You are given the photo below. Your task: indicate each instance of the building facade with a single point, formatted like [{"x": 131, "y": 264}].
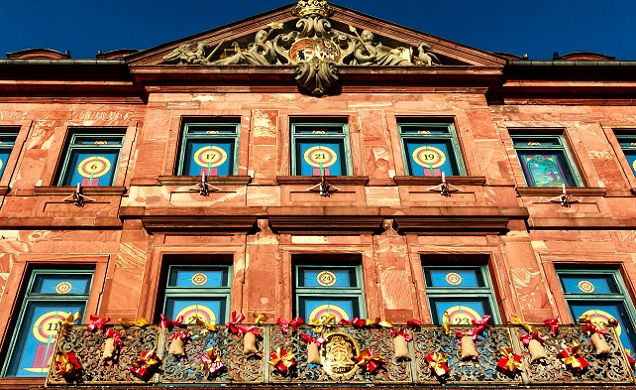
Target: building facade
[{"x": 316, "y": 162}]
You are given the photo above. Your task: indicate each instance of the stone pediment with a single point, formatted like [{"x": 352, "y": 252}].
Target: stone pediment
[{"x": 316, "y": 39}]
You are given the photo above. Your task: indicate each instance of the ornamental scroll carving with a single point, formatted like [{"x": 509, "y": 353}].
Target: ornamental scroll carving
[{"x": 310, "y": 46}]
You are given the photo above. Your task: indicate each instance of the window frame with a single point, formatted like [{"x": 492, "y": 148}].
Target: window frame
[
  {"x": 570, "y": 162},
  {"x": 11, "y": 148},
  {"x": 621, "y": 295},
  {"x": 452, "y": 136},
  {"x": 487, "y": 291},
  {"x": 86, "y": 132},
  {"x": 296, "y": 166},
  {"x": 27, "y": 297},
  {"x": 621, "y": 136},
  {"x": 206, "y": 292},
  {"x": 185, "y": 137},
  {"x": 317, "y": 292}
]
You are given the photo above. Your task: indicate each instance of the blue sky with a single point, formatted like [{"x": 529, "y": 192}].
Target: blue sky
[{"x": 538, "y": 27}]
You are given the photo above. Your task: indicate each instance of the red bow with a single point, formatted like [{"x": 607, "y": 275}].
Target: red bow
[
  {"x": 166, "y": 323},
  {"x": 282, "y": 361},
  {"x": 400, "y": 332},
  {"x": 593, "y": 328},
  {"x": 525, "y": 338},
  {"x": 183, "y": 335},
  {"x": 367, "y": 360},
  {"x": 110, "y": 332},
  {"x": 553, "y": 323},
  {"x": 97, "y": 323},
  {"x": 249, "y": 329},
  {"x": 68, "y": 365},
  {"x": 234, "y": 321},
  {"x": 413, "y": 324},
  {"x": 284, "y": 325},
  {"x": 357, "y": 322},
  {"x": 319, "y": 341},
  {"x": 476, "y": 331}
]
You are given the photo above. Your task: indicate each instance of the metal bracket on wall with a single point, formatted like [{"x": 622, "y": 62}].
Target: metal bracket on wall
[
  {"x": 78, "y": 198},
  {"x": 444, "y": 188},
  {"x": 204, "y": 187},
  {"x": 564, "y": 199},
  {"x": 324, "y": 188}
]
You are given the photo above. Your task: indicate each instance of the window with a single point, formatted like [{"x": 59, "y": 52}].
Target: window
[
  {"x": 198, "y": 290},
  {"x": 600, "y": 294},
  {"x": 628, "y": 144},
  {"x": 209, "y": 148},
  {"x": 328, "y": 289},
  {"x": 430, "y": 149},
  {"x": 464, "y": 292},
  {"x": 7, "y": 141},
  {"x": 545, "y": 161},
  {"x": 91, "y": 158},
  {"x": 320, "y": 149},
  {"x": 50, "y": 296}
]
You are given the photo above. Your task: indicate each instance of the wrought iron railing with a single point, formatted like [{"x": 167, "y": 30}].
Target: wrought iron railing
[{"x": 241, "y": 368}]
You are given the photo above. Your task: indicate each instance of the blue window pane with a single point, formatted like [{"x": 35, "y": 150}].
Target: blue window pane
[
  {"x": 212, "y": 157},
  {"x": 545, "y": 169},
  {"x": 602, "y": 313},
  {"x": 70, "y": 284},
  {"x": 327, "y": 277},
  {"x": 455, "y": 277},
  {"x": 208, "y": 309},
  {"x": 461, "y": 310},
  {"x": 430, "y": 158},
  {"x": 317, "y": 308},
  {"x": 588, "y": 284},
  {"x": 198, "y": 278},
  {"x": 36, "y": 341},
  {"x": 320, "y": 158},
  {"x": 4, "y": 157},
  {"x": 631, "y": 158},
  {"x": 95, "y": 167}
]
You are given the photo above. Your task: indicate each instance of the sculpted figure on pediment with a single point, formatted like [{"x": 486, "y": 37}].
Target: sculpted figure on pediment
[
  {"x": 260, "y": 52},
  {"x": 425, "y": 57},
  {"x": 188, "y": 54},
  {"x": 370, "y": 52}
]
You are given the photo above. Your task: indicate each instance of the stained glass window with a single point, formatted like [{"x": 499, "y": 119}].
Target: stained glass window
[
  {"x": 325, "y": 290},
  {"x": 601, "y": 295},
  {"x": 545, "y": 161},
  {"x": 464, "y": 292},
  {"x": 209, "y": 148},
  {"x": 7, "y": 142},
  {"x": 91, "y": 158},
  {"x": 194, "y": 290},
  {"x": 50, "y": 297},
  {"x": 320, "y": 149},
  {"x": 431, "y": 149},
  {"x": 628, "y": 144}
]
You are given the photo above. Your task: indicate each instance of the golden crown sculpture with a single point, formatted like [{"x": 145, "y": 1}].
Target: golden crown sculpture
[{"x": 309, "y": 7}]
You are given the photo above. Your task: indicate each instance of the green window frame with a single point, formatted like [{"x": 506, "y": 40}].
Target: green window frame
[
  {"x": 320, "y": 149},
  {"x": 627, "y": 141},
  {"x": 320, "y": 290},
  {"x": 430, "y": 149},
  {"x": 7, "y": 143},
  {"x": 210, "y": 148},
  {"x": 546, "y": 160},
  {"x": 92, "y": 157},
  {"x": 602, "y": 295},
  {"x": 49, "y": 297},
  {"x": 464, "y": 291},
  {"x": 198, "y": 289}
]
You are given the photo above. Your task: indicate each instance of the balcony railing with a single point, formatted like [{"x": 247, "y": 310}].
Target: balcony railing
[{"x": 245, "y": 369}]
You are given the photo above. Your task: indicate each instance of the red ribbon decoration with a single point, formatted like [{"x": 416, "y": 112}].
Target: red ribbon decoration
[
  {"x": 476, "y": 331},
  {"x": 319, "y": 341},
  {"x": 553, "y": 323},
  {"x": 166, "y": 323},
  {"x": 284, "y": 325},
  {"x": 97, "y": 323},
  {"x": 357, "y": 322},
  {"x": 630, "y": 358},
  {"x": 110, "y": 332},
  {"x": 400, "y": 332},
  {"x": 413, "y": 324},
  {"x": 145, "y": 365},
  {"x": 249, "y": 329},
  {"x": 509, "y": 363},
  {"x": 526, "y": 337},
  {"x": 591, "y": 328},
  {"x": 234, "y": 321},
  {"x": 68, "y": 365},
  {"x": 282, "y": 361},
  {"x": 183, "y": 335},
  {"x": 369, "y": 361}
]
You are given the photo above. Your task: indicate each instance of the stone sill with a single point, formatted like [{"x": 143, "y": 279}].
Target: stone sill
[
  {"x": 89, "y": 191},
  {"x": 193, "y": 180},
  {"x": 556, "y": 191},
  {"x": 21, "y": 383},
  {"x": 335, "y": 180},
  {"x": 434, "y": 180},
  {"x": 4, "y": 190}
]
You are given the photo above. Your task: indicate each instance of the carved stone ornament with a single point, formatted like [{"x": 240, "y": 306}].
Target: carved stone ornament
[{"x": 312, "y": 48}]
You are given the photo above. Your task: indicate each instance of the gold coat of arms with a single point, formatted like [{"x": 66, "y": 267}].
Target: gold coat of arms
[{"x": 338, "y": 355}]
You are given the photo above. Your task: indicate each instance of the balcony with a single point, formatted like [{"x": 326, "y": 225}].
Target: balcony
[{"x": 253, "y": 369}]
